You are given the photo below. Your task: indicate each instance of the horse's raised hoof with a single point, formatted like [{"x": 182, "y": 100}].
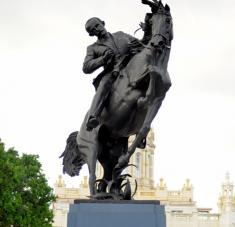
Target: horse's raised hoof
[
  {"x": 93, "y": 122},
  {"x": 142, "y": 103},
  {"x": 142, "y": 143}
]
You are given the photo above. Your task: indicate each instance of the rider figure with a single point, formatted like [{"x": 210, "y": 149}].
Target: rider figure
[{"x": 109, "y": 51}]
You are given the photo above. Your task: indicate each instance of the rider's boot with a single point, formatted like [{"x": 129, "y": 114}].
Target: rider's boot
[{"x": 98, "y": 102}]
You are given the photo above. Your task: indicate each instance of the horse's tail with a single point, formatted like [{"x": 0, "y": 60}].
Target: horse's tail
[{"x": 72, "y": 157}]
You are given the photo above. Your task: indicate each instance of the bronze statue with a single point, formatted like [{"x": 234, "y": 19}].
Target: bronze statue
[
  {"x": 108, "y": 51},
  {"x": 137, "y": 81}
]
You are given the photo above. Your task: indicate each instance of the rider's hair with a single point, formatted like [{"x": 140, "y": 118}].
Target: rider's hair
[{"x": 94, "y": 18}]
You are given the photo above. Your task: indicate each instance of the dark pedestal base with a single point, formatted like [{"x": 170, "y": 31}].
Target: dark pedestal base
[{"x": 89, "y": 213}]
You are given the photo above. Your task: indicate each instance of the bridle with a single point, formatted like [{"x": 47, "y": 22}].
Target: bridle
[{"x": 165, "y": 38}]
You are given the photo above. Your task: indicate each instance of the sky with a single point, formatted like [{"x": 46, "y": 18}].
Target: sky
[{"x": 44, "y": 94}]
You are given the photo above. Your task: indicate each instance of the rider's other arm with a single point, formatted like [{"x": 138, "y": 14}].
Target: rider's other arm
[{"x": 91, "y": 63}]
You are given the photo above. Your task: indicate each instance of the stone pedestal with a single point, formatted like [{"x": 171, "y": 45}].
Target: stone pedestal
[{"x": 94, "y": 213}]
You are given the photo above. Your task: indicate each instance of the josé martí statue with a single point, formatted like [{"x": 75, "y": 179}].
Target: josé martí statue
[{"x": 129, "y": 93}]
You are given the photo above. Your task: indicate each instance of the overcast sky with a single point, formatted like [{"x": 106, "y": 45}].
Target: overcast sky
[{"x": 44, "y": 94}]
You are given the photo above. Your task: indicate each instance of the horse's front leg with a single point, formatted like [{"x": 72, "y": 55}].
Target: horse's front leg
[
  {"x": 151, "y": 113},
  {"x": 143, "y": 102}
]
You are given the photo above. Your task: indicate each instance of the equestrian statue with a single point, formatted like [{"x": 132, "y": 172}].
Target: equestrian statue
[{"x": 129, "y": 93}]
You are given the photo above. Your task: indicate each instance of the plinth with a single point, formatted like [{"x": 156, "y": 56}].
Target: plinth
[{"x": 109, "y": 213}]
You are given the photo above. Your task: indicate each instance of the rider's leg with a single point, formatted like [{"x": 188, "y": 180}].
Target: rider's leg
[{"x": 98, "y": 101}]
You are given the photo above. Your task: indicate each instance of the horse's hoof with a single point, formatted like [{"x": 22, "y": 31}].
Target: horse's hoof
[
  {"x": 142, "y": 102},
  {"x": 142, "y": 144}
]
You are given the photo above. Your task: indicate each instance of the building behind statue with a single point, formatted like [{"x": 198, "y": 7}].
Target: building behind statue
[{"x": 181, "y": 209}]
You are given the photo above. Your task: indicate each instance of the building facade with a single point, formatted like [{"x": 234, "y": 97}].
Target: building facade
[{"x": 180, "y": 207}]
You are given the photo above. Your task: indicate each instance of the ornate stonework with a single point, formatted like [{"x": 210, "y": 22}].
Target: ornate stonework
[{"x": 181, "y": 210}]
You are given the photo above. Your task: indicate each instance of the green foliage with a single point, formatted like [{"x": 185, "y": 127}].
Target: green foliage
[{"x": 25, "y": 196}]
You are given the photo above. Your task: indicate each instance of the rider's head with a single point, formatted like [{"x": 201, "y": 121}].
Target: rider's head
[{"x": 95, "y": 27}]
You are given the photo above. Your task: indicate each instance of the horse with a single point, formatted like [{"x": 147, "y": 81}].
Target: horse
[{"x": 134, "y": 101}]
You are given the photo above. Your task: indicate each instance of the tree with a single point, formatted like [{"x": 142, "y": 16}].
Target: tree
[{"x": 25, "y": 196}]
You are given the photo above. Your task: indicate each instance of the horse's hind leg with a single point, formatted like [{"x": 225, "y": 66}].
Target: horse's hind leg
[
  {"x": 91, "y": 162},
  {"x": 107, "y": 177}
]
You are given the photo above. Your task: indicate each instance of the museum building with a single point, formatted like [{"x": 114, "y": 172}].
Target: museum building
[{"x": 180, "y": 207}]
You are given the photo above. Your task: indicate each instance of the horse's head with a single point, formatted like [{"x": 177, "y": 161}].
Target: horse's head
[{"x": 161, "y": 24}]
